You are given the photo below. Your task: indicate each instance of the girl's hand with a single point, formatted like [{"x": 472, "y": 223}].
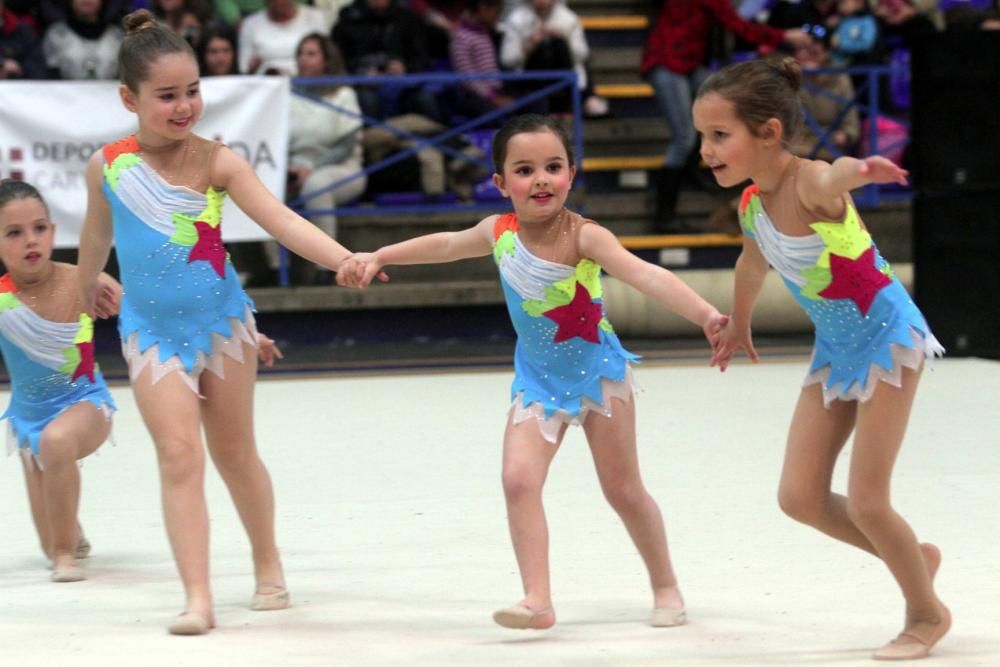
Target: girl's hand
[
  {"x": 267, "y": 350},
  {"x": 877, "y": 169},
  {"x": 107, "y": 297},
  {"x": 732, "y": 338},
  {"x": 359, "y": 269},
  {"x": 712, "y": 328}
]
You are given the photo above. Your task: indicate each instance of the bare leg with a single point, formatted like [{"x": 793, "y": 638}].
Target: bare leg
[
  {"x": 881, "y": 426},
  {"x": 815, "y": 439},
  {"x": 36, "y": 500},
  {"x": 71, "y": 436},
  {"x": 526, "y": 459},
  {"x": 613, "y": 445},
  {"x": 228, "y": 417},
  {"x": 172, "y": 414}
]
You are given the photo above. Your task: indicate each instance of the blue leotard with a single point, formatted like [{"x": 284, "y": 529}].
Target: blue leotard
[
  {"x": 51, "y": 366},
  {"x": 867, "y": 326}
]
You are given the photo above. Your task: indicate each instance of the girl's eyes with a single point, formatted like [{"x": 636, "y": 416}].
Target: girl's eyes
[{"x": 12, "y": 233}]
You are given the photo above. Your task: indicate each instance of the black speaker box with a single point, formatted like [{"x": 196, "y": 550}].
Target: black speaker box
[
  {"x": 955, "y": 139},
  {"x": 956, "y": 265}
]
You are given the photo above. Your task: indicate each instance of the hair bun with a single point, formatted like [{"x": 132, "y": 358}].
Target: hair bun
[
  {"x": 137, "y": 21},
  {"x": 789, "y": 68}
]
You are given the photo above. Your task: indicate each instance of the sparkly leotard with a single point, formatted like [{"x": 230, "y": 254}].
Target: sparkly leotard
[
  {"x": 51, "y": 366},
  {"x": 867, "y": 326},
  {"x": 183, "y": 305},
  {"x": 568, "y": 360}
]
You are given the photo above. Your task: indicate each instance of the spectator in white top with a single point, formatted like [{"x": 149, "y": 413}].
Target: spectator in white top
[
  {"x": 84, "y": 46},
  {"x": 268, "y": 38},
  {"x": 548, "y": 35},
  {"x": 324, "y": 142}
]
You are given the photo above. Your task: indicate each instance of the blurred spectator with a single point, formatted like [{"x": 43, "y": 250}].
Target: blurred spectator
[
  {"x": 547, "y": 35},
  {"x": 268, "y": 38},
  {"x": 20, "y": 49},
  {"x": 383, "y": 37},
  {"x": 673, "y": 62},
  {"x": 324, "y": 142},
  {"x": 58, "y": 11},
  {"x": 825, "y": 97},
  {"x": 231, "y": 12},
  {"x": 185, "y": 17},
  {"x": 85, "y": 45},
  {"x": 856, "y": 36},
  {"x": 26, "y": 12},
  {"x": 216, "y": 52},
  {"x": 441, "y": 18},
  {"x": 473, "y": 49},
  {"x": 902, "y": 23}
]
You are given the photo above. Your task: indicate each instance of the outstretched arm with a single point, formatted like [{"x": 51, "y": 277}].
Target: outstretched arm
[
  {"x": 429, "y": 249},
  {"x": 95, "y": 238},
  {"x": 293, "y": 231},
  {"x": 822, "y": 186},
  {"x": 654, "y": 281},
  {"x": 751, "y": 270}
]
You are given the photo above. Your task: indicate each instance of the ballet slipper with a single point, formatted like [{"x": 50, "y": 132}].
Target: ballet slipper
[
  {"x": 67, "y": 573},
  {"x": 914, "y": 647},
  {"x": 523, "y": 617},
  {"x": 190, "y": 623},
  {"x": 273, "y": 601},
  {"x": 667, "y": 617}
]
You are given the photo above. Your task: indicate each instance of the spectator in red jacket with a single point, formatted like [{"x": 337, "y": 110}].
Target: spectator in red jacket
[
  {"x": 20, "y": 49},
  {"x": 674, "y": 64}
]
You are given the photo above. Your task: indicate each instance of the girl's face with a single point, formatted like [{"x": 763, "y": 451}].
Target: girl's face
[
  {"x": 727, "y": 145},
  {"x": 168, "y": 103},
  {"x": 26, "y": 236},
  {"x": 536, "y": 176},
  {"x": 310, "y": 59},
  {"x": 219, "y": 57}
]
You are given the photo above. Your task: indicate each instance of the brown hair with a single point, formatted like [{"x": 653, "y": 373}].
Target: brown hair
[
  {"x": 332, "y": 58},
  {"x": 528, "y": 122},
  {"x": 760, "y": 90},
  {"x": 11, "y": 190},
  {"x": 146, "y": 40}
]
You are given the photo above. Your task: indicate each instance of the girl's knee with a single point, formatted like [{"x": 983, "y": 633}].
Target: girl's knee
[
  {"x": 624, "y": 495},
  {"x": 519, "y": 482},
  {"x": 802, "y": 505},
  {"x": 868, "y": 508},
  {"x": 235, "y": 460},
  {"x": 179, "y": 458},
  {"x": 58, "y": 448}
]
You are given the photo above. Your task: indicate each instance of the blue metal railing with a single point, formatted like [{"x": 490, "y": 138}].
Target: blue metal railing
[
  {"x": 559, "y": 79},
  {"x": 867, "y": 102}
]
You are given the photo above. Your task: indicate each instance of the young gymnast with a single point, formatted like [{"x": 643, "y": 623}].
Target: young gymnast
[
  {"x": 60, "y": 408},
  {"x": 871, "y": 340},
  {"x": 159, "y": 192},
  {"x": 570, "y": 367}
]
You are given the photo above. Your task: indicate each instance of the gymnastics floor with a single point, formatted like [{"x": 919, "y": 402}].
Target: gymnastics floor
[{"x": 393, "y": 531}]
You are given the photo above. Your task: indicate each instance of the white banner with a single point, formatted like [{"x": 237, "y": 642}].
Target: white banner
[{"x": 49, "y": 129}]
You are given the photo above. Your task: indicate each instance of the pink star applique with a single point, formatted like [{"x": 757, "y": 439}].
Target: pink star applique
[
  {"x": 86, "y": 365},
  {"x": 855, "y": 279},
  {"x": 579, "y": 317},
  {"x": 209, "y": 247}
]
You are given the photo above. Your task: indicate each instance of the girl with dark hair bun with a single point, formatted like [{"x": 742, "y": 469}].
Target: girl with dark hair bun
[{"x": 187, "y": 326}]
